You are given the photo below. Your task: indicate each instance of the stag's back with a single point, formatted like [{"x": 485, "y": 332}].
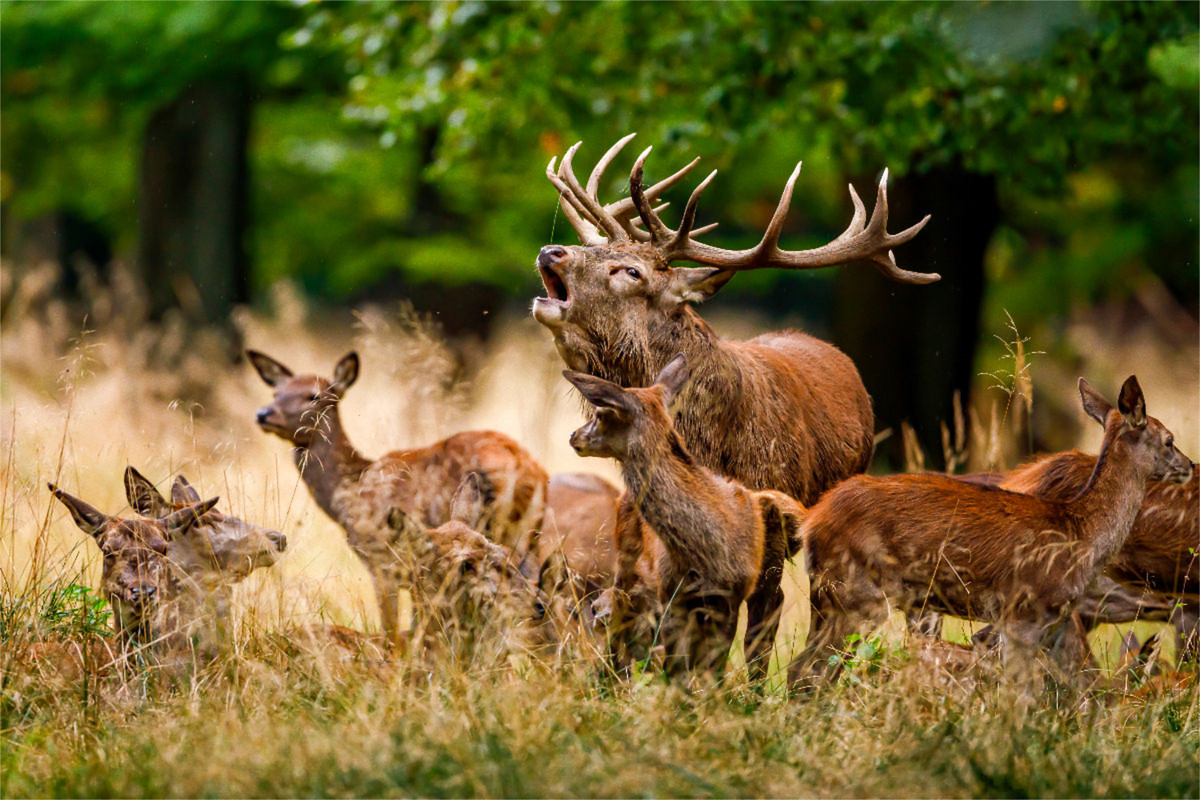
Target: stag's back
[{"x": 783, "y": 411}]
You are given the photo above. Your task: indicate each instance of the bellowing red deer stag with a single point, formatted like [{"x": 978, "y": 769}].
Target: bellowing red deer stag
[
  {"x": 783, "y": 411},
  {"x": 1018, "y": 561},
  {"x": 711, "y": 542},
  {"x": 357, "y": 493}
]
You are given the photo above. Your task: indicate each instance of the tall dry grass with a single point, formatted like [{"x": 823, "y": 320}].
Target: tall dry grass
[{"x": 283, "y": 713}]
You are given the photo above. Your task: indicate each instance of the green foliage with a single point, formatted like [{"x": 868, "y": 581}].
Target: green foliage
[
  {"x": 70, "y": 611},
  {"x": 411, "y": 138}
]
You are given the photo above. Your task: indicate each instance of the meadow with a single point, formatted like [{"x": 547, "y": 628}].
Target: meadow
[{"x": 279, "y": 713}]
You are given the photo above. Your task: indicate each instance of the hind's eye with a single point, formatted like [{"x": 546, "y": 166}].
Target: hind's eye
[
  {"x": 1170, "y": 441},
  {"x": 312, "y": 398}
]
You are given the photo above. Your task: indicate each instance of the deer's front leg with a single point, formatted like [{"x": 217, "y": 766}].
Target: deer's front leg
[{"x": 627, "y": 538}]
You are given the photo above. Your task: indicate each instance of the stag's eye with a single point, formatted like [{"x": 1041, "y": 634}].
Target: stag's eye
[
  {"x": 633, "y": 273},
  {"x": 1170, "y": 441},
  {"x": 312, "y": 398}
]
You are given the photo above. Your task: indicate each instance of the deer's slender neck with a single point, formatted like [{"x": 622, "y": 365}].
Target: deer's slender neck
[
  {"x": 681, "y": 500},
  {"x": 329, "y": 460},
  {"x": 1112, "y": 498}
]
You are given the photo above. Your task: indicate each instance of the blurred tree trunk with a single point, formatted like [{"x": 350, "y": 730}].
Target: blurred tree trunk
[
  {"x": 915, "y": 345},
  {"x": 193, "y": 201}
]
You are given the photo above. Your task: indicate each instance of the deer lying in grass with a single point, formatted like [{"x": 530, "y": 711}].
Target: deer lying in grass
[
  {"x": 357, "y": 493},
  {"x": 216, "y": 552},
  {"x": 711, "y": 542},
  {"x": 783, "y": 411},
  {"x": 137, "y": 577},
  {"x": 158, "y": 598},
  {"x": 466, "y": 586},
  {"x": 1018, "y": 561}
]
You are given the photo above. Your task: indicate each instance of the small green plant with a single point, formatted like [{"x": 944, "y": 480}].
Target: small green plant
[{"x": 72, "y": 611}]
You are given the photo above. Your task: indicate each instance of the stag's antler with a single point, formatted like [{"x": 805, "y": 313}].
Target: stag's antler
[{"x": 598, "y": 224}]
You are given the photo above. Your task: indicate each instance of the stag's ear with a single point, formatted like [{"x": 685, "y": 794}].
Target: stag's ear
[
  {"x": 345, "y": 374},
  {"x": 183, "y": 492},
  {"x": 469, "y": 501},
  {"x": 143, "y": 497},
  {"x": 1131, "y": 403},
  {"x": 89, "y": 520},
  {"x": 601, "y": 393},
  {"x": 181, "y": 521},
  {"x": 271, "y": 371},
  {"x": 694, "y": 284},
  {"x": 1094, "y": 404},
  {"x": 673, "y": 376}
]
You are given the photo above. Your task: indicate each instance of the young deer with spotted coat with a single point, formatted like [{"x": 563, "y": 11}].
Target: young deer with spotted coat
[
  {"x": 358, "y": 493},
  {"x": 945, "y": 545},
  {"x": 709, "y": 542}
]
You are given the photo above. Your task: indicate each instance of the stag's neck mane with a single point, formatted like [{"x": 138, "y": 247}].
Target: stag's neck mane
[
  {"x": 329, "y": 460},
  {"x": 1109, "y": 503}
]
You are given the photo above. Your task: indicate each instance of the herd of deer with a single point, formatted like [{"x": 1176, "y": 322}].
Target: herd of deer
[{"x": 736, "y": 456}]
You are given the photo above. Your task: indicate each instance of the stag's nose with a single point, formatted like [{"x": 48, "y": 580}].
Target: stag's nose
[
  {"x": 551, "y": 254},
  {"x": 262, "y": 415},
  {"x": 278, "y": 539}
]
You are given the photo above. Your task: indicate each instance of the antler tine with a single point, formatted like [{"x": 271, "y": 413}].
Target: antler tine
[
  {"x": 593, "y": 183},
  {"x": 588, "y": 233},
  {"x": 625, "y": 208},
  {"x": 657, "y": 230},
  {"x": 770, "y": 241},
  {"x": 689, "y": 211},
  {"x": 604, "y": 219},
  {"x": 863, "y": 240}
]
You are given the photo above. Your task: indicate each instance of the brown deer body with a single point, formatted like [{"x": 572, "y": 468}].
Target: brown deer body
[
  {"x": 932, "y": 542},
  {"x": 711, "y": 542},
  {"x": 1162, "y": 553},
  {"x": 358, "y": 493},
  {"x": 581, "y": 517},
  {"x": 783, "y": 411}
]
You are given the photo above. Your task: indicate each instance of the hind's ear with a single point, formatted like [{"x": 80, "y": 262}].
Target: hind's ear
[
  {"x": 143, "y": 497},
  {"x": 345, "y": 374},
  {"x": 89, "y": 520},
  {"x": 271, "y": 371},
  {"x": 1094, "y": 404},
  {"x": 181, "y": 521},
  {"x": 673, "y": 376},
  {"x": 183, "y": 492},
  {"x": 601, "y": 393},
  {"x": 1132, "y": 403},
  {"x": 470, "y": 499}
]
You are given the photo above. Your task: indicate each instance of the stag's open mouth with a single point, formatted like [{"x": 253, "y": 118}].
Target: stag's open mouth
[{"x": 556, "y": 287}]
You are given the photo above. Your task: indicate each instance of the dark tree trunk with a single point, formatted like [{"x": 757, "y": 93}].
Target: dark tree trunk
[
  {"x": 915, "y": 345},
  {"x": 193, "y": 202}
]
